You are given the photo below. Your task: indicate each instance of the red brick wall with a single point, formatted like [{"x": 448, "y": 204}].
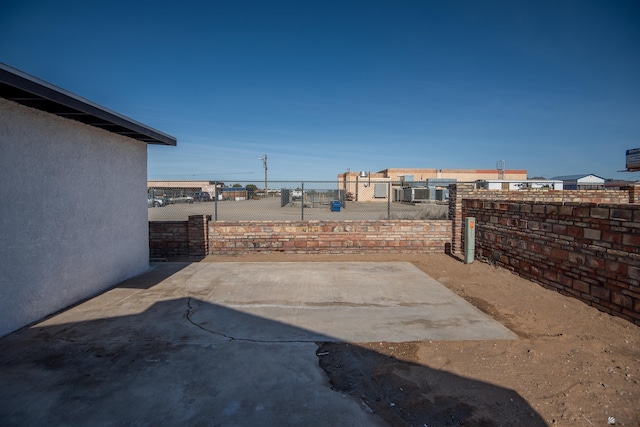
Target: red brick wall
[
  {"x": 634, "y": 193},
  {"x": 587, "y": 250},
  {"x": 179, "y": 238},
  {"x": 168, "y": 239},
  {"x": 461, "y": 191},
  {"x": 392, "y": 236},
  {"x": 198, "y": 238}
]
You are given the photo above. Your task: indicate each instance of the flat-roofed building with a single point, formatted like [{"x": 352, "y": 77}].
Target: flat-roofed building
[{"x": 379, "y": 186}]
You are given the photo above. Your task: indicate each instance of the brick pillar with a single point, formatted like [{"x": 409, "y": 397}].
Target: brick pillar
[
  {"x": 634, "y": 193},
  {"x": 457, "y": 192},
  {"x": 198, "y": 236},
  {"x": 455, "y": 211}
]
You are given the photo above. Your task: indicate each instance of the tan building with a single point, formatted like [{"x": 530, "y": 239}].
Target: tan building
[
  {"x": 378, "y": 186},
  {"x": 180, "y": 188}
]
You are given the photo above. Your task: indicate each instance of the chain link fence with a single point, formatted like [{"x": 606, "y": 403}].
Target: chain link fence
[{"x": 294, "y": 200}]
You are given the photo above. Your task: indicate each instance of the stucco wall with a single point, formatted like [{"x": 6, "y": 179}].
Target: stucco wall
[{"x": 73, "y": 216}]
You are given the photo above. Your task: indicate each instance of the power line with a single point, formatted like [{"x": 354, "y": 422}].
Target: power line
[{"x": 209, "y": 174}]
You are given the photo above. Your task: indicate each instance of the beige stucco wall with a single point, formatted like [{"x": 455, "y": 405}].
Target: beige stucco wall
[
  {"x": 418, "y": 174},
  {"x": 73, "y": 215},
  {"x": 469, "y": 175}
]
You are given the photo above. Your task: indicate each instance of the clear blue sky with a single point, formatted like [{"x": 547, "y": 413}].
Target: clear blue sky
[{"x": 552, "y": 87}]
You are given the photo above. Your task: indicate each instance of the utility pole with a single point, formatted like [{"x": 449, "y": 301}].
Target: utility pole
[{"x": 264, "y": 163}]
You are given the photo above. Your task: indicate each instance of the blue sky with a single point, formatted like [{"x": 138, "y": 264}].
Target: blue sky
[{"x": 552, "y": 87}]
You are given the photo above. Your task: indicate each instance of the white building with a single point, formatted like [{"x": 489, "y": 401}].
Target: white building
[
  {"x": 73, "y": 215},
  {"x": 515, "y": 185},
  {"x": 581, "y": 182}
]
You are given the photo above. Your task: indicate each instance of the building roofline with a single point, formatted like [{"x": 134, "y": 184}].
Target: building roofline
[
  {"x": 25, "y": 89},
  {"x": 575, "y": 177}
]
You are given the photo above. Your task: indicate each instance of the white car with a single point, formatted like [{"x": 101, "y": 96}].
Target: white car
[{"x": 180, "y": 199}]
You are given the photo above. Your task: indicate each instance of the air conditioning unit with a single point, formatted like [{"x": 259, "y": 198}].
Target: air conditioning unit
[
  {"x": 421, "y": 194},
  {"x": 414, "y": 195}
]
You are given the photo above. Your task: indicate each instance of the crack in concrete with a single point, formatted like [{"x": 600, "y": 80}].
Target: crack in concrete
[
  {"x": 331, "y": 304},
  {"x": 189, "y": 313},
  {"x": 188, "y": 317},
  {"x": 230, "y": 338}
]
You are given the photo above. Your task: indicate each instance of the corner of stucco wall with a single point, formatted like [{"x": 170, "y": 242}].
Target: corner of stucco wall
[{"x": 74, "y": 215}]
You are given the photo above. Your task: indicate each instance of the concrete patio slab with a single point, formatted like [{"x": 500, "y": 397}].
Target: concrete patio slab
[
  {"x": 221, "y": 344},
  {"x": 351, "y": 301}
]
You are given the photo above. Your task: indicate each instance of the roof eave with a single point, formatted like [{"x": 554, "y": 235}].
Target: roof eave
[{"x": 35, "y": 93}]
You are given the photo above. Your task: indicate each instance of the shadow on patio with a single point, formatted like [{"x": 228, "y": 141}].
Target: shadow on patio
[{"x": 171, "y": 364}]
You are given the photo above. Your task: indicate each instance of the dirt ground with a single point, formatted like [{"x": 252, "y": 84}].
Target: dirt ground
[{"x": 571, "y": 366}]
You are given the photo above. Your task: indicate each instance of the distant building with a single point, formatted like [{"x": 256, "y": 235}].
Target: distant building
[
  {"x": 581, "y": 182},
  {"x": 169, "y": 189},
  {"x": 515, "y": 185},
  {"x": 617, "y": 184},
  {"x": 233, "y": 193},
  {"x": 374, "y": 186}
]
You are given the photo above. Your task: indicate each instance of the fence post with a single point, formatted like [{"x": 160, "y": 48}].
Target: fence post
[
  {"x": 388, "y": 200},
  {"x": 215, "y": 203},
  {"x": 302, "y": 201}
]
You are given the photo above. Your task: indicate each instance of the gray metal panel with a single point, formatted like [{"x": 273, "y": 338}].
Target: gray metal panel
[
  {"x": 380, "y": 191},
  {"x": 441, "y": 182}
]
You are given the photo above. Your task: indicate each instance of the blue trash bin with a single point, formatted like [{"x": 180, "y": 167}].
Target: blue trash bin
[{"x": 335, "y": 206}]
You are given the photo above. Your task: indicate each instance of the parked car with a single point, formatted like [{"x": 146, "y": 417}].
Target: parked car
[
  {"x": 181, "y": 199},
  {"x": 154, "y": 202},
  {"x": 202, "y": 197}
]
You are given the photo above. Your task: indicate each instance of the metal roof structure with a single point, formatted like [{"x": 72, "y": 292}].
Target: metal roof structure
[
  {"x": 575, "y": 177},
  {"x": 35, "y": 93}
]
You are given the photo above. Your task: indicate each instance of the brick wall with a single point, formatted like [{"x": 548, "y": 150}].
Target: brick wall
[
  {"x": 634, "y": 193},
  {"x": 461, "y": 191},
  {"x": 584, "y": 243},
  {"x": 168, "y": 239},
  {"x": 590, "y": 251},
  {"x": 200, "y": 236},
  {"x": 392, "y": 236},
  {"x": 179, "y": 238}
]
